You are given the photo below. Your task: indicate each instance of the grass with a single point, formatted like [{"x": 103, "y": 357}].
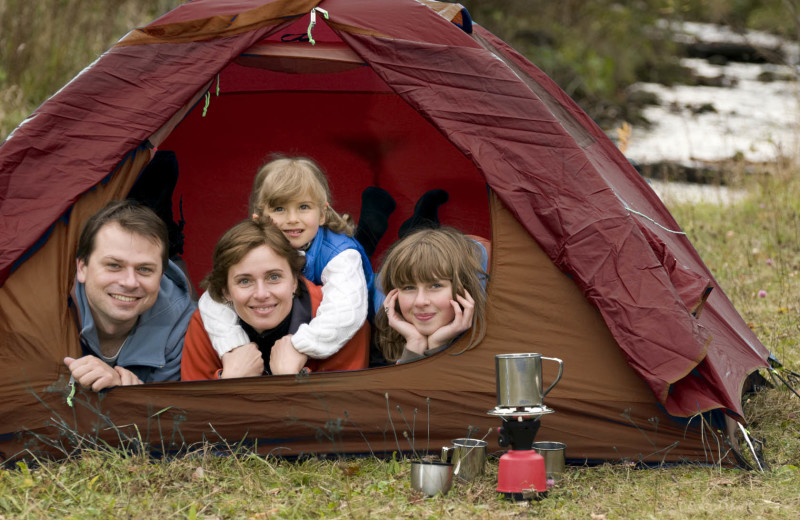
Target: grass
[
  {"x": 751, "y": 246},
  {"x": 205, "y": 485},
  {"x": 753, "y": 249}
]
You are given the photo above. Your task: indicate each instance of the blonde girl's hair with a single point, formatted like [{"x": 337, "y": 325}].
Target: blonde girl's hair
[
  {"x": 426, "y": 256},
  {"x": 285, "y": 178},
  {"x": 240, "y": 240}
]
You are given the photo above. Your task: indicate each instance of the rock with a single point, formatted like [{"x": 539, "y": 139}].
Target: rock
[
  {"x": 769, "y": 76},
  {"x": 721, "y": 81},
  {"x": 670, "y": 171},
  {"x": 702, "y": 108},
  {"x": 723, "y": 52}
]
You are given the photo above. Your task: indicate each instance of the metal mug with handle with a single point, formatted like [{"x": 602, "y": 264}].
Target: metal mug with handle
[
  {"x": 467, "y": 456},
  {"x": 519, "y": 379}
]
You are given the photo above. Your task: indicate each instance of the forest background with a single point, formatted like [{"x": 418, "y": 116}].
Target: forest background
[{"x": 595, "y": 50}]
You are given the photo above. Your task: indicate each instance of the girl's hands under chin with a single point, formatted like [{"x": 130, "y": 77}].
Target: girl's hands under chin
[
  {"x": 464, "y": 309},
  {"x": 415, "y": 341}
]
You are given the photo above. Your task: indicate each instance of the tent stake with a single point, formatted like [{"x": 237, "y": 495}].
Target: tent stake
[{"x": 750, "y": 444}]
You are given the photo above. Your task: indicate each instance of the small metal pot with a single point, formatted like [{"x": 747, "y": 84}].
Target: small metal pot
[
  {"x": 431, "y": 478},
  {"x": 554, "y": 455}
]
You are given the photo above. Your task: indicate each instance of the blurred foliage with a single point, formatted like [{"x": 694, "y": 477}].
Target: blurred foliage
[
  {"x": 775, "y": 16},
  {"x": 593, "y": 50},
  {"x": 596, "y": 50},
  {"x": 45, "y": 43}
]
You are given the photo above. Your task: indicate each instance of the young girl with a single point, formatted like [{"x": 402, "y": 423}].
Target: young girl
[
  {"x": 433, "y": 281},
  {"x": 293, "y": 192}
]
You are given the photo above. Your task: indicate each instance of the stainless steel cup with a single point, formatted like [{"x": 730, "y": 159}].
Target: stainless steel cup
[
  {"x": 553, "y": 454},
  {"x": 519, "y": 379},
  {"x": 468, "y": 457},
  {"x": 431, "y": 477}
]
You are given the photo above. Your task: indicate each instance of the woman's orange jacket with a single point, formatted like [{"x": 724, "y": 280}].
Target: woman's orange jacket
[{"x": 201, "y": 361}]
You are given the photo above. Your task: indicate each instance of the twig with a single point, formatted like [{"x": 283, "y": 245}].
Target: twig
[
  {"x": 470, "y": 429},
  {"x": 428, "y": 442},
  {"x": 627, "y": 414},
  {"x": 405, "y": 434},
  {"x": 391, "y": 422},
  {"x": 414, "y": 427},
  {"x": 225, "y": 441},
  {"x": 358, "y": 429}
]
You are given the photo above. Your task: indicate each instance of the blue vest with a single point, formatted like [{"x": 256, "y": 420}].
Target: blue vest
[{"x": 325, "y": 246}]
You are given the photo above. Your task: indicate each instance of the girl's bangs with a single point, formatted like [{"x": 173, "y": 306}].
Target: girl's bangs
[
  {"x": 422, "y": 265},
  {"x": 292, "y": 184}
]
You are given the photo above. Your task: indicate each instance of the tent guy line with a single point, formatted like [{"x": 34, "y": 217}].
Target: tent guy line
[{"x": 652, "y": 220}]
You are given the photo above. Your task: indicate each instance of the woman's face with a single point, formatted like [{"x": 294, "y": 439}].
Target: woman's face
[
  {"x": 261, "y": 287},
  {"x": 427, "y": 305}
]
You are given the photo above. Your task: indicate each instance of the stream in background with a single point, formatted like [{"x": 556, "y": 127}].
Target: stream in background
[
  {"x": 751, "y": 111},
  {"x": 741, "y": 110}
]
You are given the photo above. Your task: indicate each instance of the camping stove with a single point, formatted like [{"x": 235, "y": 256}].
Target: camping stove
[
  {"x": 519, "y": 404},
  {"x": 521, "y": 468}
]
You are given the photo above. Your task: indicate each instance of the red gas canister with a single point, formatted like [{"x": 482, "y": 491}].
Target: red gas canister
[{"x": 521, "y": 470}]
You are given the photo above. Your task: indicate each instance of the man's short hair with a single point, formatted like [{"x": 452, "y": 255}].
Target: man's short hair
[{"x": 132, "y": 217}]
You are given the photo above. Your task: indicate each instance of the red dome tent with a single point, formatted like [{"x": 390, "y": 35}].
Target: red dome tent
[{"x": 587, "y": 264}]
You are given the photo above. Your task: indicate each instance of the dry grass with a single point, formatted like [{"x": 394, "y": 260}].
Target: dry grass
[
  {"x": 203, "y": 484},
  {"x": 38, "y": 56}
]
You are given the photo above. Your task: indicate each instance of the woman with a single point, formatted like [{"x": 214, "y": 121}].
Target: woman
[
  {"x": 257, "y": 272},
  {"x": 434, "y": 285}
]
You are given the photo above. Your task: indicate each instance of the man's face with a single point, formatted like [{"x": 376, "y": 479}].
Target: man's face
[{"x": 121, "y": 277}]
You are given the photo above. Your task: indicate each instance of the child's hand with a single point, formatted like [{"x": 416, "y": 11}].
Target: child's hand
[
  {"x": 415, "y": 341},
  {"x": 462, "y": 321},
  {"x": 284, "y": 358},
  {"x": 244, "y": 361}
]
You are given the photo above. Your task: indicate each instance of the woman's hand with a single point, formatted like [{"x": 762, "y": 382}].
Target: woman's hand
[
  {"x": 244, "y": 361},
  {"x": 284, "y": 358},
  {"x": 464, "y": 309},
  {"x": 415, "y": 341}
]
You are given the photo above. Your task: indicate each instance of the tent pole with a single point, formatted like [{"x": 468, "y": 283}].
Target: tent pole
[{"x": 784, "y": 381}]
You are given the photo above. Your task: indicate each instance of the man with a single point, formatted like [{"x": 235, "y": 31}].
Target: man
[{"x": 132, "y": 304}]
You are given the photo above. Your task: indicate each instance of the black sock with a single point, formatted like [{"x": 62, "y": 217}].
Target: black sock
[
  {"x": 426, "y": 212},
  {"x": 154, "y": 188},
  {"x": 376, "y": 207}
]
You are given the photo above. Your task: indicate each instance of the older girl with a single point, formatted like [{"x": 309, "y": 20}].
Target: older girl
[{"x": 433, "y": 280}]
